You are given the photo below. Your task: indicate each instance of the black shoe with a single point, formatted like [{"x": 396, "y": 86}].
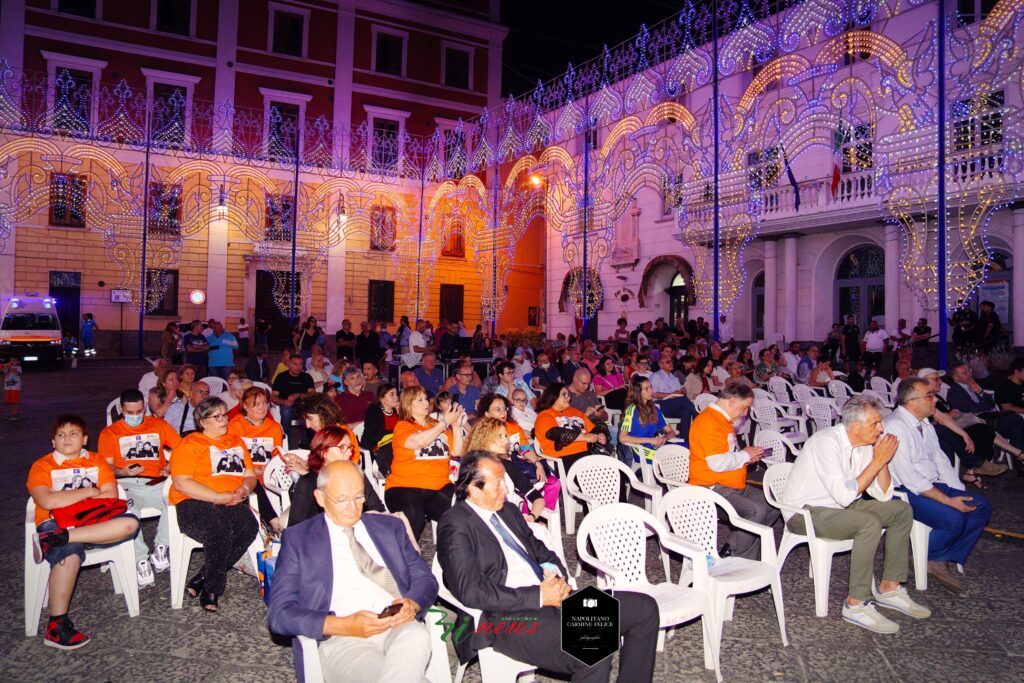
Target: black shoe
[
  {"x": 62, "y": 634},
  {"x": 208, "y": 601},
  {"x": 194, "y": 587},
  {"x": 726, "y": 551},
  {"x": 44, "y": 542}
]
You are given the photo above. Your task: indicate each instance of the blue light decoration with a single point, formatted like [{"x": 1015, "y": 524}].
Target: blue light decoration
[{"x": 708, "y": 108}]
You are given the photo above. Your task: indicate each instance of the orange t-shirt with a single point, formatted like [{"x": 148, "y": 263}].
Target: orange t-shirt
[
  {"x": 423, "y": 468},
  {"x": 219, "y": 465},
  {"x": 569, "y": 418},
  {"x": 144, "y": 445},
  {"x": 517, "y": 438},
  {"x": 259, "y": 439},
  {"x": 712, "y": 434},
  {"x": 88, "y": 469}
]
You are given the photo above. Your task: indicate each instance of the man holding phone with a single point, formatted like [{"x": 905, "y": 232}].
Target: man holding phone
[
  {"x": 716, "y": 461},
  {"x": 355, "y": 583},
  {"x": 136, "y": 446}
]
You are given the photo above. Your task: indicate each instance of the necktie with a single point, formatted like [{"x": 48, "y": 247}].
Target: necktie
[
  {"x": 511, "y": 542},
  {"x": 370, "y": 569},
  {"x": 920, "y": 428}
]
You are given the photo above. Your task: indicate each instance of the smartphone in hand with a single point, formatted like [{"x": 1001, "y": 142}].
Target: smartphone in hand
[{"x": 390, "y": 611}]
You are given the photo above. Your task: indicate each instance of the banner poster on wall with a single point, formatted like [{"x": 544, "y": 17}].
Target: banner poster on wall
[{"x": 998, "y": 292}]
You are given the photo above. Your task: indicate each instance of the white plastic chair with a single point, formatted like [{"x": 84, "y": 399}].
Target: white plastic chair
[
  {"x": 762, "y": 394},
  {"x": 671, "y": 465},
  {"x": 113, "y": 411},
  {"x": 691, "y": 513},
  {"x": 217, "y": 385},
  {"x": 822, "y": 412},
  {"x": 568, "y": 503},
  {"x": 182, "y": 545},
  {"x": 919, "y": 548},
  {"x": 619, "y": 534},
  {"x": 886, "y": 406},
  {"x": 840, "y": 391},
  {"x": 781, "y": 389},
  {"x": 884, "y": 388},
  {"x": 121, "y": 558},
  {"x": 943, "y": 390},
  {"x": 277, "y": 482},
  {"x": 595, "y": 479},
  {"x": 703, "y": 401},
  {"x": 148, "y": 383},
  {"x": 494, "y": 666},
  {"x": 777, "y": 443},
  {"x": 821, "y": 549},
  {"x": 773, "y": 417},
  {"x": 803, "y": 393}
]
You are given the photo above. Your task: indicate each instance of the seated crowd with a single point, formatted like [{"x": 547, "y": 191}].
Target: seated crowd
[{"x": 465, "y": 444}]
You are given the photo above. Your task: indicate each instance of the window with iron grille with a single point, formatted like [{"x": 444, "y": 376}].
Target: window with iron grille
[
  {"x": 282, "y": 129},
  {"x": 72, "y": 100},
  {"x": 165, "y": 208},
  {"x": 381, "y": 301},
  {"x": 857, "y": 150},
  {"x": 279, "y": 216},
  {"x": 389, "y": 50},
  {"x": 67, "y": 200},
  {"x": 455, "y": 245},
  {"x": 382, "y": 228},
  {"x": 288, "y": 30},
  {"x": 169, "y": 112},
  {"x": 162, "y": 285},
  {"x": 456, "y": 68},
  {"x": 385, "y": 143}
]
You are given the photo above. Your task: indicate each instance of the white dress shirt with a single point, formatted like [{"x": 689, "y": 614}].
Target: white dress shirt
[
  {"x": 665, "y": 383},
  {"x": 919, "y": 461},
  {"x": 351, "y": 591},
  {"x": 825, "y": 474},
  {"x": 520, "y": 573},
  {"x": 874, "y": 342},
  {"x": 412, "y": 359},
  {"x": 725, "y": 330},
  {"x": 792, "y": 362}
]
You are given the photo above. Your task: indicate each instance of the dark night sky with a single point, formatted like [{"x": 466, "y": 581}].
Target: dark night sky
[{"x": 544, "y": 36}]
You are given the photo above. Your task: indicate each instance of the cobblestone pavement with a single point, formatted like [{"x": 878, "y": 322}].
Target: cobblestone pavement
[{"x": 976, "y": 637}]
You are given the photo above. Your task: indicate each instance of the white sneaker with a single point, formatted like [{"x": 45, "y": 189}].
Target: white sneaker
[
  {"x": 144, "y": 573},
  {"x": 159, "y": 558},
  {"x": 900, "y": 600},
  {"x": 866, "y": 616}
]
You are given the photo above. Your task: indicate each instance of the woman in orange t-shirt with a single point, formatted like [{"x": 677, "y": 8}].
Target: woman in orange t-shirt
[
  {"x": 419, "y": 483},
  {"x": 213, "y": 477},
  {"x": 263, "y": 436},
  {"x": 561, "y": 430}
]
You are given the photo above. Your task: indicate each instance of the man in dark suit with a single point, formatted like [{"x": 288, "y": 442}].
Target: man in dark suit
[
  {"x": 525, "y": 581},
  {"x": 258, "y": 369},
  {"x": 337, "y": 572},
  {"x": 568, "y": 369}
]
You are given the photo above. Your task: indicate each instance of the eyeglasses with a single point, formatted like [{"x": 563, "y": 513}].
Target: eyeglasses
[
  {"x": 219, "y": 417},
  {"x": 347, "y": 448},
  {"x": 519, "y": 400},
  {"x": 345, "y": 502},
  {"x": 201, "y": 391},
  {"x": 465, "y": 374},
  {"x": 930, "y": 396}
]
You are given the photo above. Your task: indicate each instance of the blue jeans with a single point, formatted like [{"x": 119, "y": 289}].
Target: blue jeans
[
  {"x": 954, "y": 533},
  {"x": 220, "y": 371}
]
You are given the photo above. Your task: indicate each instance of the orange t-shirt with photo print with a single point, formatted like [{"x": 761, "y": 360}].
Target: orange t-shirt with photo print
[
  {"x": 87, "y": 470},
  {"x": 219, "y": 465},
  {"x": 143, "y": 445}
]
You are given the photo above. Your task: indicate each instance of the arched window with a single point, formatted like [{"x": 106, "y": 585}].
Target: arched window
[
  {"x": 678, "y": 300},
  {"x": 455, "y": 245},
  {"x": 860, "y": 286}
]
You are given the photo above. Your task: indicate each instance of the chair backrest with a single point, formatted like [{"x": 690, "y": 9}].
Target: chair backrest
[
  {"x": 774, "y": 482},
  {"x": 881, "y": 398},
  {"x": 882, "y": 386},
  {"x": 840, "y": 391},
  {"x": 147, "y": 383},
  {"x": 618, "y": 533},
  {"x": 275, "y": 478},
  {"x": 217, "y": 385},
  {"x": 780, "y": 387},
  {"x": 671, "y": 465},
  {"x": 263, "y": 385},
  {"x": 357, "y": 429},
  {"x": 113, "y": 411},
  {"x": 943, "y": 390},
  {"x": 803, "y": 393},
  {"x": 822, "y": 412},
  {"x": 703, "y": 401},
  {"x": 597, "y": 476},
  {"x": 765, "y": 414},
  {"x": 692, "y": 512},
  {"x": 775, "y": 442},
  {"x": 762, "y": 394}
]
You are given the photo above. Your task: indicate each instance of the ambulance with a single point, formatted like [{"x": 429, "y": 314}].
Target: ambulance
[{"x": 31, "y": 331}]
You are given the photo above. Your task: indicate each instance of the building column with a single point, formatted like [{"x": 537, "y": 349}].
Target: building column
[
  {"x": 224, "y": 80},
  {"x": 217, "y": 269},
  {"x": 1017, "y": 295},
  {"x": 771, "y": 290},
  {"x": 892, "y": 277},
  {"x": 12, "y": 35},
  {"x": 336, "y": 297},
  {"x": 789, "y": 268}
]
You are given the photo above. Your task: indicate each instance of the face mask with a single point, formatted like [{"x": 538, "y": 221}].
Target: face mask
[
  {"x": 545, "y": 365},
  {"x": 133, "y": 420}
]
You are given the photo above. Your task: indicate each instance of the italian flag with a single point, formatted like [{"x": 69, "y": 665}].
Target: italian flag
[{"x": 839, "y": 138}]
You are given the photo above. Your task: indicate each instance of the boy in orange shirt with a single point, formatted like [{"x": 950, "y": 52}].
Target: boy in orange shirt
[
  {"x": 716, "y": 461},
  {"x": 136, "y": 446},
  {"x": 69, "y": 475}
]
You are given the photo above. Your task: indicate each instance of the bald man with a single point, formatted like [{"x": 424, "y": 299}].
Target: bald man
[
  {"x": 408, "y": 379},
  {"x": 356, "y": 584}
]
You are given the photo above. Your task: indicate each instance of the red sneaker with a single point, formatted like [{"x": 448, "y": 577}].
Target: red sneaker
[{"x": 62, "y": 634}]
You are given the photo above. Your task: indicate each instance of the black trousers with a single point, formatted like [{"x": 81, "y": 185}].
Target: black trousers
[
  {"x": 225, "y": 532},
  {"x": 419, "y": 504},
  {"x": 638, "y": 626},
  {"x": 983, "y": 437}
]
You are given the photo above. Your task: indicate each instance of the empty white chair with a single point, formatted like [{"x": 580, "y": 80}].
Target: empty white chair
[
  {"x": 886, "y": 406},
  {"x": 113, "y": 412},
  {"x": 762, "y": 394},
  {"x": 671, "y": 465},
  {"x": 822, "y": 412},
  {"x": 778, "y": 445},
  {"x": 782, "y": 390},
  {"x": 594, "y": 480},
  {"x": 217, "y": 385},
  {"x": 121, "y": 558},
  {"x": 148, "y": 383},
  {"x": 771, "y": 416},
  {"x": 182, "y": 545},
  {"x": 884, "y": 388},
  {"x": 804, "y": 393},
  {"x": 691, "y": 513},
  {"x": 568, "y": 503},
  {"x": 840, "y": 391},
  {"x": 494, "y": 666},
  {"x": 703, "y": 401},
  {"x": 618, "y": 533}
]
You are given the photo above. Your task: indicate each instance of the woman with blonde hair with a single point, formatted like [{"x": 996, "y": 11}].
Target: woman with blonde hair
[
  {"x": 490, "y": 434},
  {"x": 419, "y": 482}
]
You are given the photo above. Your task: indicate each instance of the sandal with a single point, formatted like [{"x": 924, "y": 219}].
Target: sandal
[
  {"x": 195, "y": 585},
  {"x": 208, "y": 601},
  {"x": 971, "y": 478}
]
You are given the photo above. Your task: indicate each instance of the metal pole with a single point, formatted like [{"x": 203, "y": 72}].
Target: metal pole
[
  {"x": 292, "y": 313},
  {"x": 494, "y": 242},
  {"x": 715, "y": 116},
  {"x": 586, "y": 205},
  {"x": 419, "y": 249},
  {"x": 943, "y": 324},
  {"x": 145, "y": 236}
]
